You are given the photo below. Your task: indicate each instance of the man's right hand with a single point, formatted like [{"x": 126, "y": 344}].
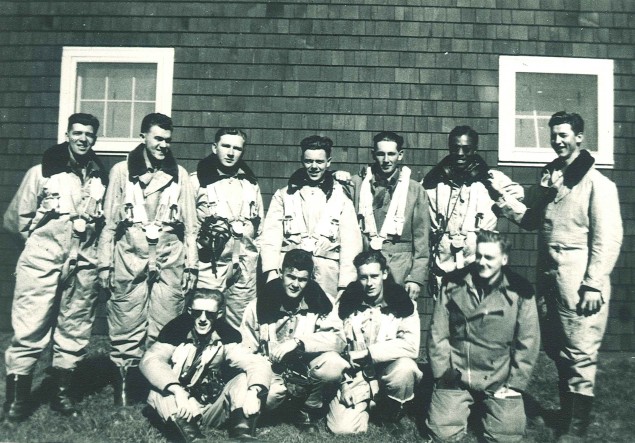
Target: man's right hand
[
  {"x": 186, "y": 407},
  {"x": 104, "y": 278},
  {"x": 342, "y": 176}
]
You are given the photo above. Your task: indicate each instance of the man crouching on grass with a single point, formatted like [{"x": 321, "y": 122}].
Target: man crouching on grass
[
  {"x": 202, "y": 376},
  {"x": 293, "y": 323},
  {"x": 484, "y": 342}
]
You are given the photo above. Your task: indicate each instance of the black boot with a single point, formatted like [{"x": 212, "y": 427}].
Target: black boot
[
  {"x": 62, "y": 401},
  {"x": 17, "y": 404},
  {"x": 241, "y": 427},
  {"x": 389, "y": 413},
  {"x": 188, "y": 430},
  {"x": 306, "y": 419},
  {"x": 576, "y": 416},
  {"x": 120, "y": 386}
]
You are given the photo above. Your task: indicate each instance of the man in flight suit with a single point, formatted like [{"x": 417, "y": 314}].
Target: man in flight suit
[
  {"x": 148, "y": 255},
  {"x": 58, "y": 211}
]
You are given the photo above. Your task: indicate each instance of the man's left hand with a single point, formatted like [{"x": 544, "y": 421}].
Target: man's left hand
[
  {"x": 413, "y": 289},
  {"x": 356, "y": 357},
  {"x": 252, "y": 404},
  {"x": 282, "y": 349},
  {"x": 590, "y": 302},
  {"x": 190, "y": 278}
]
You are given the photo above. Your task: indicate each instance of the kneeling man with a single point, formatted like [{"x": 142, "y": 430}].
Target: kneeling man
[
  {"x": 484, "y": 342},
  {"x": 202, "y": 376},
  {"x": 382, "y": 330},
  {"x": 293, "y": 323}
]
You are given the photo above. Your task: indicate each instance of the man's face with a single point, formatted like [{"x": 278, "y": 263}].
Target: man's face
[
  {"x": 462, "y": 149},
  {"x": 371, "y": 277},
  {"x": 229, "y": 149},
  {"x": 204, "y": 312},
  {"x": 387, "y": 156},
  {"x": 81, "y": 138},
  {"x": 490, "y": 261},
  {"x": 565, "y": 142},
  {"x": 315, "y": 163},
  {"x": 294, "y": 281},
  {"x": 157, "y": 141}
]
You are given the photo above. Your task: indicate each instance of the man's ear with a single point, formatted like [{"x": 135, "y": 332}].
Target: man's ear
[
  {"x": 384, "y": 274},
  {"x": 579, "y": 137},
  {"x": 505, "y": 259},
  {"x": 214, "y": 150},
  {"x": 400, "y": 154},
  {"x": 328, "y": 162}
]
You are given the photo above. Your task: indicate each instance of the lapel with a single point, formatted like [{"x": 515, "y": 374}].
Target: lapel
[
  {"x": 159, "y": 181},
  {"x": 464, "y": 297}
]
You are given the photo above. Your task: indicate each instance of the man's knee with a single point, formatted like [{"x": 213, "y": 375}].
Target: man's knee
[
  {"x": 347, "y": 420},
  {"x": 327, "y": 367},
  {"x": 448, "y": 414},
  {"x": 401, "y": 376},
  {"x": 504, "y": 419}
]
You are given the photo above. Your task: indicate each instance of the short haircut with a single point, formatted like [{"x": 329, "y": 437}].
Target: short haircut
[
  {"x": 368, "y": 257},
  {"x": 206, "y": 294},
  {"x": 388, "y": 136},
  {"x": 298, "y": 259},
  {"x": 83, "y": 119},
  {"x": 156, "y": 119},
  {"x": 316, "y": 142},
  {"x": 229, "y": 131},
  {"x": 484, "y": 236},
  {"x": 459, "y": 131},
  {"x": 564, "y": 117}
]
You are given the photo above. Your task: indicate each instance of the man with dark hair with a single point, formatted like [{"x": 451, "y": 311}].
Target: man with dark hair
[
  {"x": 461, "y": 191},
  {"x": 313, "y": 213},
  {"x": 382, "y": 330},
  {"x": 58, "y": 212},
  {"x": 148, "y": 255},
  {"x": 393, "y": 212},
  {"x": 200, "y": 374},
  {"x": 484, "y": 342},
  {"x": 577, "y": 213},
  {"x": 229, "y": 209},
  {"x": 293, "y": 323}
]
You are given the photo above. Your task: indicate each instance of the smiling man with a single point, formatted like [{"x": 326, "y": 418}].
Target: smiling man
[
  {"x": 229, "y": 210},
  {"x": 58, "y": 212},
  {"x": 393, "y": 212},
  {"x": 292, "y": 322},
  {"x": 484, "y": 342},
  {"x": 148, "y": 255},
  {"x": 313, "y": 213},
  {"x": 382, "y": 330},
  {"x": 201, "y": 376},
  {"x": 577, "y": 213}
]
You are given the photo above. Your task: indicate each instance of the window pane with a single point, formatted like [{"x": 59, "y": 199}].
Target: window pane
[
  {"x": 146, "y": 84},
  {"x": 118, "y": 120},
  {"x": 92, "y": 80},
  {"x": 539, "y": 95},
  {"x": 97, "y": 109},
  {"x": 140, "y": 111}
]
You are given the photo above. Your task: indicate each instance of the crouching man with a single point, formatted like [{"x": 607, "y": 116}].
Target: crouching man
[
  {"x": 484, "y": 342},
  {"x": 381, "y": 325},
  {"x": 201, "y": 376},
  {"x": 293, "y": 323}
]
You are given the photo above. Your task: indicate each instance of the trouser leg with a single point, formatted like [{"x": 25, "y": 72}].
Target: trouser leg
[
  {"x": 127, "y": 323},
  {"x": 504, "y": 419},
  {"x": 345, "y": 419},
  {"x": 399, "y": 378},
  {"x": 448, "y": 414}
]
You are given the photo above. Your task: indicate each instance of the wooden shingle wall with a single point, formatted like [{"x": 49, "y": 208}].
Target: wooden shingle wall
[{"x": 346, "y": 69}]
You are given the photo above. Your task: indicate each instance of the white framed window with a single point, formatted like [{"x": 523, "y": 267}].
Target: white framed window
[
  {"x": 532, "y": 89},
  {"x": 119, "y": 86}
]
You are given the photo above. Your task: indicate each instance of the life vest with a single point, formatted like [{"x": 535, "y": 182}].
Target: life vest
[{"x": 220, "y": 207}]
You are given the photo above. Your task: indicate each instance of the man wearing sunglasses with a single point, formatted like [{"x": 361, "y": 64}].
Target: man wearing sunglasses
[{"x": 192, "y": 369}]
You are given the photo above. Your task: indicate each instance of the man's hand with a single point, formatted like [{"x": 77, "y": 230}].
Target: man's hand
[
  {"x": 186, "y": 407},
  {"x": 190, "y": 277},
  {"x": 342, "y": 176},
  {"x": 590, "y": 302},
  {"x": 104, "y": 278},
  {"x": 252, "y": 404},
  {"x": 346, "y": 395},
  {"x": 282, "y": 349},
  {"x": 413, "y": 289},
  {"x": 356, "y": 357}
]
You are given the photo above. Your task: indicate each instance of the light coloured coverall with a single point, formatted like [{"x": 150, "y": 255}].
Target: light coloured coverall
[
  {"x": 56, "y": 274},
  {"x": 142, "y": 302},
  {"x": 173, "y": 354},
  {"x": 236, "y": 199},
  {"x": 391, "y": 332},
  {"x": 407, "y": 254},
  {"x": 580, "y": 234},
  {"x": 320, "y": 219},
  {"x": 266, "y": 324},
  {"x": 493, "y": 342}
]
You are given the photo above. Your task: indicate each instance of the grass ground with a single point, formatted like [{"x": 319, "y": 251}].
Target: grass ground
[{"x": 613, "y": 418}]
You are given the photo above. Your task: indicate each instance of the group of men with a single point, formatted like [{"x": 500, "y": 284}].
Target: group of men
[{"x": 334, "y": 330}]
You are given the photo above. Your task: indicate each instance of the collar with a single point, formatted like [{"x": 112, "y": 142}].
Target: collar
[
  {"x": 58, "y": 159},
  {"x": 138, "y": 166},
  {"x": 222, "y": 331},
  {"x": 300, "y": 179},
  {"x": 207, "y": 171},
  {"x": 269, "y": 304},
  {"x": 379, "y": 179},
  {"x": 396, "y": 300},
  {"x": 573, "y": 173}
]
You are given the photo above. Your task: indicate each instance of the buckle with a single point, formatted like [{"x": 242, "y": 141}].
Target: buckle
[{"x": 152, "y": 233}]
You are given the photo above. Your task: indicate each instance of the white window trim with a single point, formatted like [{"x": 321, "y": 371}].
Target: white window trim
[
  {"x": 508, "y": 67},
  {"x": 72, "y": 55}
]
